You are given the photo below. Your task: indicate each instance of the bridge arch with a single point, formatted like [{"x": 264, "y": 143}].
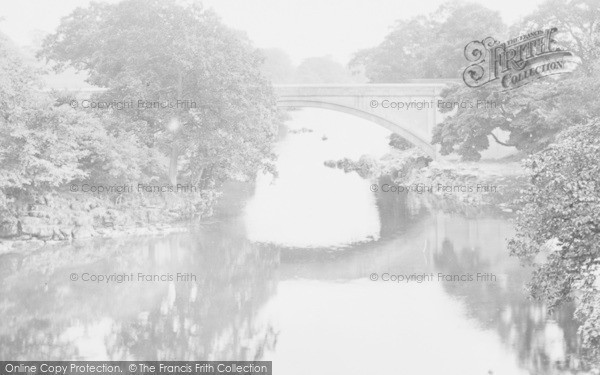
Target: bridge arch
[{"x": 416, "y": 140}]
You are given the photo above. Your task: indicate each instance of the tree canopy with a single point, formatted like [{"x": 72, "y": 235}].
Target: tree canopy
[
  {"x": 218, "y": 120},
  {"x": 578, "y": 21},
  {"x": 531, "y": 115},
  {"x": 432, "y": 46},
  {"x": 534, "y": 114},
  {"x": 44, "y": 143},
  {"x": 277, "y": 66},
  {"x": 322, "y": 70},
  {"x": 429, "y": 46}
]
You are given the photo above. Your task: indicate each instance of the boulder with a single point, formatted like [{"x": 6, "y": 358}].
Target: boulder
[
  {"x": 29, "y": 224},
  {"x": 66, "y": 231},
  {"x": 39, "y": 210},
  {"x": 36, "y": 227},
  {"x": 9, "y": 227}
]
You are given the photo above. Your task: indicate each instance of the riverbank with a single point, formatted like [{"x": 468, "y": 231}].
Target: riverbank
[
  {"x": 28, "y": 223},
  {"x": 489, "y": 185}
]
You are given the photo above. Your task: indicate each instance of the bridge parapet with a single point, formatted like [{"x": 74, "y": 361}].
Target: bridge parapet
[{"x": 388, "y": 90}]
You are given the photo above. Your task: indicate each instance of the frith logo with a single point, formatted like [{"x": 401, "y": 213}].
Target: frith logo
[{"x": 518, "y": 61}]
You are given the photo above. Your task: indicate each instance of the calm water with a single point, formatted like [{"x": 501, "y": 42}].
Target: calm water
[{"x": 283, "y": 274}]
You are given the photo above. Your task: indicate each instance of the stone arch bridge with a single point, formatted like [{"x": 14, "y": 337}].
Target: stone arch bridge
[{"x": 409, "y": 109}]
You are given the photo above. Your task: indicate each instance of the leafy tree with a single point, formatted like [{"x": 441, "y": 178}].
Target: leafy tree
[
  {"x": 44, "y": 143},
  {"x": 577, "y": 20},
  {"x": 429, "y": 46},
  {"x": 534, "y": 114},
  {"x": 164, "y": 52},
  {"x": 36, "y": 148},
  {"x": 17, "y": 80},
  {"x": 558, "y": 227}
]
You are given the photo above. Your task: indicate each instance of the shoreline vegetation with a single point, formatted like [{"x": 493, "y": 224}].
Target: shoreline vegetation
[{"x": 488, "y": 186}]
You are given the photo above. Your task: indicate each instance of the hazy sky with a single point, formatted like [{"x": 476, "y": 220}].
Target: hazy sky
[{"x": 303, "y": 28}]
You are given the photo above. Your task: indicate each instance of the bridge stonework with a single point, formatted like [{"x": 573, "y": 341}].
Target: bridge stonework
[{"x": 387, "y": 105}]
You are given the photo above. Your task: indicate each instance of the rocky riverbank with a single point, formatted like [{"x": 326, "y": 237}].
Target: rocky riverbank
[
  {"x": 30, "y": 223},
  {"x": 470, "y": 187},
  {"x": 444, "y": 184}
]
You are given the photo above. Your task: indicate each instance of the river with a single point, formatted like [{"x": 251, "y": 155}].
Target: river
[{"x": 286, "y": 272}]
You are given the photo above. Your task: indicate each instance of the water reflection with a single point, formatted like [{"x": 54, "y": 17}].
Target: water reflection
[
  {"x": 299, "y": 309},
  {"x": 311, "y": 310},
  {"x": 543, "y": 344},
  {"x": 499, "y": 326},
  {"x": 45, "y": 315}
]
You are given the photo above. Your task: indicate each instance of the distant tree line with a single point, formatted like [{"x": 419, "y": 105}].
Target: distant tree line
[{"x": 278, "y": 68}]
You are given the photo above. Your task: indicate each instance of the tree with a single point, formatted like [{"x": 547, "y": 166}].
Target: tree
[
  {"x": 429, "y": 46},
  {"x": 533, "y": 114},
  {"x": 578, "y": 21},
  {"x": 217, "y": 113},
  {"x": 277, "y": 66},
  {"x": 37, "y": 149},
  {"x": 322, "y": 70},
  {"x": 558, "y": 226},
  {"x": 44, "y": 144}
]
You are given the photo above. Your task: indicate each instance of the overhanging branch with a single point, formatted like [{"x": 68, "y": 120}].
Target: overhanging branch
[{"x": 500, "y": 142}]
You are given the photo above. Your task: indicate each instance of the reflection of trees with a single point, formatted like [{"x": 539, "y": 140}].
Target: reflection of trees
[
  {"x": 463, "y": 262},
  {"x": 544, "y": 344},
  {"x": 398, "y": 212},
  {"x": 216, "y": 317}
]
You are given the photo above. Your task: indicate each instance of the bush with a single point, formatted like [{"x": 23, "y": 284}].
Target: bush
[{"x": 558, "y": 227}]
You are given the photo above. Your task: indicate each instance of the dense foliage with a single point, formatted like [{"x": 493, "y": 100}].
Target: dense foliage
[
  {"x": 558, "y": 227},
  {"x": 577, "y": 20},
  {"x": 216, "y": 117},
  {"x": 531, "y": 115},
  {"x": 44, "y": 144},
  {"x": 217, "y": 120},
  {"x": 432, "y": 47},
  {"x": 534, "y": 115},
  {"x": 429, "y": 46}
]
